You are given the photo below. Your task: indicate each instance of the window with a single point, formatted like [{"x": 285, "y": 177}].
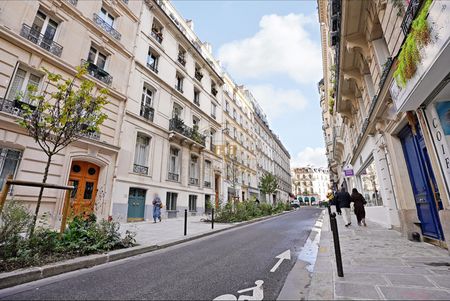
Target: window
[
  {"x": 171, "y": 201},
  {"x": 9, "y": 160},
  {"x": 207, "y": 175},
  {"x": 174, "y": 165},
  {"x": 179, "y": 84},
  {"x": 194, "y": 171},
  {"x": 213, "y": 88},
  {"x": 227, "y": 106},
  {"x": 192, "y": 202},
  {"x": 181, "y": 56},
  {"x": 152, "y": 60},
  {"x": 107, "y": 17},
  {"x": 197, "y": 96},
  {"x": 146, "y": 103},
  {"x": 19, "y": 86},
  {"x": 97, "y": 58},
  {"x": 157, "y": 31},
  {"x": 141, "y": 154},
  {"x": 195, "y": 121},
  {"x": 43, "y": 30},
  {"x": 370, "y": 185},
  {"x": 213, "y": 110},
  {"x": 198, "y": 72},
  {"x": 234, "y": 114},
  {"x": 211, "y": 144},
  {"x": 177, "y": 110}
]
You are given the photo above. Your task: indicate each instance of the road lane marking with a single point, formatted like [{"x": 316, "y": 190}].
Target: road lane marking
[{"x": 285, "y": 255}]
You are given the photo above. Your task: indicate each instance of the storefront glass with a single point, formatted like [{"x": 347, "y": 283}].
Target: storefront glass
[{"x": 370, "y": 185}]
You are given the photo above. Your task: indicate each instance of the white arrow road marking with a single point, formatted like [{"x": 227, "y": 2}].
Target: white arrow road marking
[{"x": 285, "y": 255}]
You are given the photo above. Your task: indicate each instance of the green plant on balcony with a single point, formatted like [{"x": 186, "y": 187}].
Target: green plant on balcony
[
  {"x": 195, "y": 135},
  {"x": 410, "y": 56},
  {"x": 177, "y": 123},
  {"x": 331, "y": 105}
]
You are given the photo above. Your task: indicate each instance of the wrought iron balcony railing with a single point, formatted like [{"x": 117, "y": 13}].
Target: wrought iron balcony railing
[
  {"x": 106, "y": 27},
  {"x": 140, "y": 169},
  {"x": 193, "y": 181},
  {"x": 147, "y": 112},
  {"x": 41, "y": 40},
  {"x": 410, "y": 14},
  {"x": 14, "y": 107},
  {"x": 98, "y": 73},
  {"x": 173, "y": 176},
  {"x": 153, "y": 67},
  {"x": 91, "y": 135},
  {"x": 157, "y": 36},
  {"x": 178, "y": 126},
  {"x": 207, "y": 184},
  {"x": 73, "y": 2}
]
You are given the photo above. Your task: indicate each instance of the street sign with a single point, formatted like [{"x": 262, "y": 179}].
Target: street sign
[{"x": 348, "y": 171}]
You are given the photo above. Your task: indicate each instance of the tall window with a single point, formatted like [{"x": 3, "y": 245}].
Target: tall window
[
  {"x": 195, "y": 121},
  {"x": 211, "y": 142},
  {"x": 107, "y": 17},
  {"x": 9, "y": 160},
  {"x": 213, "y": 88},
  {"x": 234, "y": 114},
  {"x": 181, "y": 56},
  {"x": 171, "y": 201},
  {"x": 179, "y": 82},
  {"x": 207, "y": 176},
  {"x": 213, "y": 110},
  {"x": 192, "y": 202},
  {"x": 19, "y": 86},
  {"x": 194, "y": 171},
  {"x": 97, "y": 58},
  {"x": 197, "y": 96},
  {"x": 157, "y": 31},
  {"x": 177, "y": 110},
  {"x": 146, "y": 103},
  {"x": 227, "y": 106},
  {"x": 174, "y": 165},
  {"x": 152, "y": 60},
  {"x": 141, "y": 154},
  {"x": 43, "y": 25},
  {"x": 198, "y": 72}
]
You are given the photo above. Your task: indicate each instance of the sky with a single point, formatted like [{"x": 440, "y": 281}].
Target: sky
[{"x": 273, "y": 48}]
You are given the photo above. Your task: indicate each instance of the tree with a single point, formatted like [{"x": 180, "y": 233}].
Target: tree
[
  {"x": 60, "y": 117},
  {"x": 268, "y": 183}
]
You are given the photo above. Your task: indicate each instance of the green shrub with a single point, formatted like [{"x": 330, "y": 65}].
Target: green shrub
[{"x": 14, "y": 223}]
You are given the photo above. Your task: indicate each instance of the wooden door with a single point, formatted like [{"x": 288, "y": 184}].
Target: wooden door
[{"x": 84, "y": 176}]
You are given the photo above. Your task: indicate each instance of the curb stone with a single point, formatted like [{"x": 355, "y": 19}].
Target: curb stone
[{"x": 22, "y": 276}]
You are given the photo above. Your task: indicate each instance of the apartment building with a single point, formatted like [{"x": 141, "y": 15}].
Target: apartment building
[
  {"x": 282, "y": 170},
  {"x": 310, "y": 184},
  {"x": 388, "y": 122}
]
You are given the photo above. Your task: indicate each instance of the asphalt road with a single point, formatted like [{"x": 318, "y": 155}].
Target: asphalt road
[{"x": 198, "y": 270}]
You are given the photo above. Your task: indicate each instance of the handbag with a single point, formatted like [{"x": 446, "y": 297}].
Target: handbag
[{"x": 161, "y": 206}]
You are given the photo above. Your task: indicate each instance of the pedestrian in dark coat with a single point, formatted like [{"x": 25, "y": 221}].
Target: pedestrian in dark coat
[
  {"x": 336, "y": 203},
  {"x": 343, "y": 199},
  {"x": 359, "y": 202}
]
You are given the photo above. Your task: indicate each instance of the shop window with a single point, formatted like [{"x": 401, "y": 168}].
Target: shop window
[{"x": 370, "y": 185}]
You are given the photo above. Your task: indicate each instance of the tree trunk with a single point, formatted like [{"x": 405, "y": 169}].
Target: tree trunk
[{"x": 41, "y": 191}]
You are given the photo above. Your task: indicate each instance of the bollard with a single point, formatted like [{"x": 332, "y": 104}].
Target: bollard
[
  {"x": 185, "y": 222},
  {"x": 329, "y": 209},
  {"x": 337, "y": 247},
  {"x": 212, "y": 218}
]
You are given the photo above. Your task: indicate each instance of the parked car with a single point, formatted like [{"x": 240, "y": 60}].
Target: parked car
[{"x": 295, "y": 203}]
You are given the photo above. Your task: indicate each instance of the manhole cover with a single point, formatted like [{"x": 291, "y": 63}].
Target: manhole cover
[{"x": 439, "y": 264}]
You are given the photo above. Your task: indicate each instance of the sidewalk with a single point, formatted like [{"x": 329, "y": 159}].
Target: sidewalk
[
  {"x": 378, "y": 264},
  {"x": 149, "y": 233}
]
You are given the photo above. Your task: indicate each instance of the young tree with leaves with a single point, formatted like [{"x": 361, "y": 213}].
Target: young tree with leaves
[
  {"x": 268, "y": 184},
  {"x": 64, "y": 111}
]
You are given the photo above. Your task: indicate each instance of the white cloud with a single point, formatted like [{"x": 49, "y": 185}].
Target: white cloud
[
  {"x": 310, "y": 156},
  {"x": 275, "y": 102},
  {"x": 282, "y": 46}
]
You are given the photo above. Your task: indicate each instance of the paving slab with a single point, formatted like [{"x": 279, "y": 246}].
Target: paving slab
[
  {"x": 356, "y": 291},
  {"x": 412, "y": 280},
  {"x": 408, "y": 293}
]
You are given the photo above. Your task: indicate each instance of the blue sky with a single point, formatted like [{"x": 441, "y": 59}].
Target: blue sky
[{"x": 273, "y": 48}]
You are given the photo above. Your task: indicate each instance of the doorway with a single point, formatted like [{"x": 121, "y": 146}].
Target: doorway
[
  {"x": 84, "y": 176},
  {"x": 136, "y": 205}
]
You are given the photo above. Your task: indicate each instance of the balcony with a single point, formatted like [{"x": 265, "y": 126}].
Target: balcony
[
  {"x": 14, "y": 107},
  {"x": 143, "y": 170},
  {"x": 198, "y": 75},
  {"x": 39, "y": 39},
  {"x": 106, "y": 27},
  {"x": 73, "y": 2},
  {"x": 410, "y": 14},
  {"x": 98, "y": 73},
  {"x": 214, "y": 91},
  {"x": 193, "y": 181},
  {"x": 207, "y": 184},
  {"x": 91, "y": 135},
  {"x": 147, "y": 112},
  {"x": 177, "y": 125},
  {"x": 157, "y": 36},
  {"x": 173, "y": 176},
  {"x": 181, "y": 59},
  {"x": 153, "y": 67}
]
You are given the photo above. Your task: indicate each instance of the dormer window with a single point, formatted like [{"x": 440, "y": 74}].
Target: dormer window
[
  {"x": 181, "y": 56},
  {"x": 198, "y": 72},
  {"x": 157, "y": 31}
]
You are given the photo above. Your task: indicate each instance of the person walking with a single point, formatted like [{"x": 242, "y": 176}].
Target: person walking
[
  {"x": 359, "y": 202},
  {"x": 157, "y": 205},
  {"x": 343, "y": 199},
  {"x": 336, "y": 203}
]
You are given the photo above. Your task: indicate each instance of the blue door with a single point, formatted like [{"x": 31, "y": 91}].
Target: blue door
[
  {"x": 136, "y": 204},
  {"x": 426, "y": 193}
]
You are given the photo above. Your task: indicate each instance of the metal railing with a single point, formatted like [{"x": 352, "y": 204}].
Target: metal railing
[
  {"x": 147, "y": 112},
  {"x": 140, "y": 169},
  {"x": 157, "y": 36},
  {"x": 207, "y": 184},
  {"x": 173, "y": 176},
  {"x": 13, "y": 107},
  {"x": 177, "y": 126},
  {"x": 91, "y": 135},
  {"x": 41, "y": 40},
  {"x": 98, "y": 73},
  {"x": 410, "y": 14},
  {"x": 106, "y": 27},
  {"x": 193, "y": 181},
  {"x": 153, "y": 67},
  {"x": 73, "y": 2}
]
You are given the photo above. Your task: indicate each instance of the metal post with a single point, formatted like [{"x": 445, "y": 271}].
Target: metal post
[
  {"x": 329, "y": 209},
  {"x": 337, "y": 247},
  {"x": 4, "y": 192},
  {"x": 65, "y": 209},
  {"x": 212, "y": 218},
  {"x": 185, "y": 222}
]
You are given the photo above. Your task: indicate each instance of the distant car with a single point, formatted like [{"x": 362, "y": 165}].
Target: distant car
[{"x": 295, "y": 203}]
